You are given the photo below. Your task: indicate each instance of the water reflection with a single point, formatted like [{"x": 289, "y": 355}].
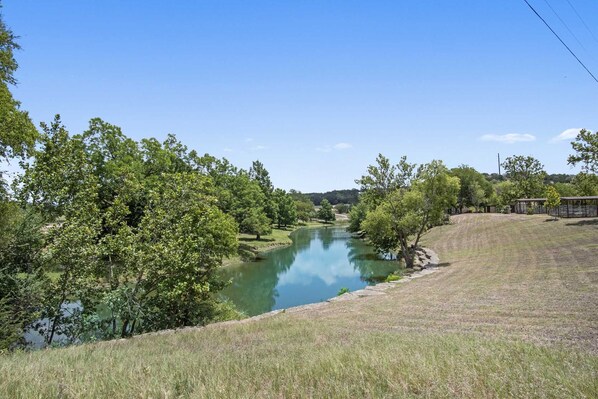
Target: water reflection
[{"x": 317, "y": 264}]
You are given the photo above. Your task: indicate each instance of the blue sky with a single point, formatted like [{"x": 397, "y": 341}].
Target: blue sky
[{"x": 316, "y": 89}]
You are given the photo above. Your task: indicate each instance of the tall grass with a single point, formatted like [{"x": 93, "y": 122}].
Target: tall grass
[{"x": 278, "y": 358}]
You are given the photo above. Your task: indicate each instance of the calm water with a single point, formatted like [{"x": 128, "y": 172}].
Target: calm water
[{"x": 318, "y": 264}]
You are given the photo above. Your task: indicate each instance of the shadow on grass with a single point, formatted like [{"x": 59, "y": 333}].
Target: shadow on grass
[
  {"x": 444, "y": 264},
  {"x": 551, "y": 220},
  {"x": 246, "y": 239},
  {"x": 586, "y": 222}
]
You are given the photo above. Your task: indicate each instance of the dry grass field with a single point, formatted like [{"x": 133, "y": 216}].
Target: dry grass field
[{"x": 512, "y": 313}]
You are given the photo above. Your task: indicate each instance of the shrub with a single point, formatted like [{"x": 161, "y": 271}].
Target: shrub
[
  {"x": 342, "y": 291},
  {"x": 392, "y": 277}
]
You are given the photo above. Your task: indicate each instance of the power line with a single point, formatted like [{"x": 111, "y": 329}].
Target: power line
[
  {"x": 582, "y": 21},
  {"x": 561, "y": 40},
  {"x": 565, "y": 24}
]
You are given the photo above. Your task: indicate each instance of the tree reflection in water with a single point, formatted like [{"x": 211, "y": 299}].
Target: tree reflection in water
[{"x": 317, "y": 264}]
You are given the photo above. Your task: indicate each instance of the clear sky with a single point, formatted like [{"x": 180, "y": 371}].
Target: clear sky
[{"x": 316, "y": 89}]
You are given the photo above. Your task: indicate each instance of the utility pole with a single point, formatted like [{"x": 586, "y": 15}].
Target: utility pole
[{"x": 499, "y": 164}]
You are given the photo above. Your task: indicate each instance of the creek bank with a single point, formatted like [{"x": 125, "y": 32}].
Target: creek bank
[{"x": 428, "y": 262}]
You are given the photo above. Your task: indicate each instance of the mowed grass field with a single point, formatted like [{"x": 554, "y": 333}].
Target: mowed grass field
[{"x": 513, "y": 312}]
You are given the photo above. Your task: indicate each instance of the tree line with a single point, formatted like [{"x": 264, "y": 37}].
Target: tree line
[
  {"x": 132, "y": 232},
  {"x": 400, "y": 202}
]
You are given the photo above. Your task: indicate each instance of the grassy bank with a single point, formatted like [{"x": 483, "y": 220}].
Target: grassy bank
[{"x": 513, "y": 314}]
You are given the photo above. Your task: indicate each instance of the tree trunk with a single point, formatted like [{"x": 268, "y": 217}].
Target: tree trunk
[
  {"x": 258, "y": 236},
  {"x": 59, "y": 309}
]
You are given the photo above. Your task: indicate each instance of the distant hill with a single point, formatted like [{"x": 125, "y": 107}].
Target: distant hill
[{"x": 336, "y": 197}]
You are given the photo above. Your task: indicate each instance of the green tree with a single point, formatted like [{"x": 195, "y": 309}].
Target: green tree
[
  {"x": 553, "y": 199},
  {"x": 585, "y": 146},
  {"x": 286, "y": 210},
  {"x": 586, "y": 184},
  {"x": 21, "y": 283},
  {"x": 134, "y": 227},
  {"x": 506, "y": 192},
  {"x": 17, "y": 133},
  {"x": 527, "y": 174},
  {"x": 382, "y": 231},
  {"x": 256, "y": 222},
  {"x": 565, "y": 189},
  {"x": 17, "y": 139},
  {"x": 406, "y": 214},
  {"x": 305, "y": 210},
  {"x": 475, "y": 188},
  {"x": 326, "y": 213},
  {"x": 259, "y": 173},
  {"x": 357, "y": 216},
  {"x": 384, "y": 178},
  {"x": 342, "y": 208},
  {"x": 173, "y": 255}
]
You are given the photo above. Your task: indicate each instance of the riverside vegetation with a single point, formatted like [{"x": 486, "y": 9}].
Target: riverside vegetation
[
  {"x": 135, "y": 231},
  {"x": 507, "y": 317}
]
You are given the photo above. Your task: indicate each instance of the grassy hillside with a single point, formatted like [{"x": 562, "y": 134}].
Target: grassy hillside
[{"x": 513, "y": 314}]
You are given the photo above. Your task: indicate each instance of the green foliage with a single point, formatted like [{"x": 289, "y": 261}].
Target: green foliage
[
  {"x": 585, "y": 146},
  {"x": 174, "y": 253},
  {"x": 405, "y": 214},
  {"x": 286, "y": 210},
  {"x": 565, "y": 189},
  {"x": 326, "y": 213},
  {"x": 381, "y": 229},
  {"x": 553, "y": 199},
  {"x": 527, "y": 174},
  {"x": 335, "y": 197},
  {"x": 343, "y": 290},
  {"x": 586, "y": 184},
  {"x": 384, "y": 178},
  {"x": 342, "y": 208},
  {"x": 20, "y": 241},
  {"x": 134, "y": 227},
  {"x": 357, "y": 216},
  {"x": 475, "y": 188},
  {"x": 392, "y": 277},
  {"x": 17, "y": 133},
  {"x": 305, "y": 209},
  {"x": 259, "y": 174},
  {"x": 506, "y": 193},
  {"x": 21, "y": 244},
  {"x": 256, "y": 222}
]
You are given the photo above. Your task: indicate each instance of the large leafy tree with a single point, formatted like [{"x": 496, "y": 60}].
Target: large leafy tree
[
  {"x": 172, "y": 256},
  {"x": 260, "y": 174},
  {"x": 527, "y": 174},
  {"x": 585, "y": 146},
  {"x": 326, "y": 213},
  {"x": 256, "y": 222},
  {"x": 475, "y": 188},
  {"x": 133, "y": 227},
  {"x": 17, "y": 245},
  {"x": 303, "y": 204},
  {"x": 406, "y": 214},
  {"x": 286, "y": 210},
  {"x": 383, "y": 178},
  {"x": 17, "y": 133},
  {"x": 586, "y": 184}
]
